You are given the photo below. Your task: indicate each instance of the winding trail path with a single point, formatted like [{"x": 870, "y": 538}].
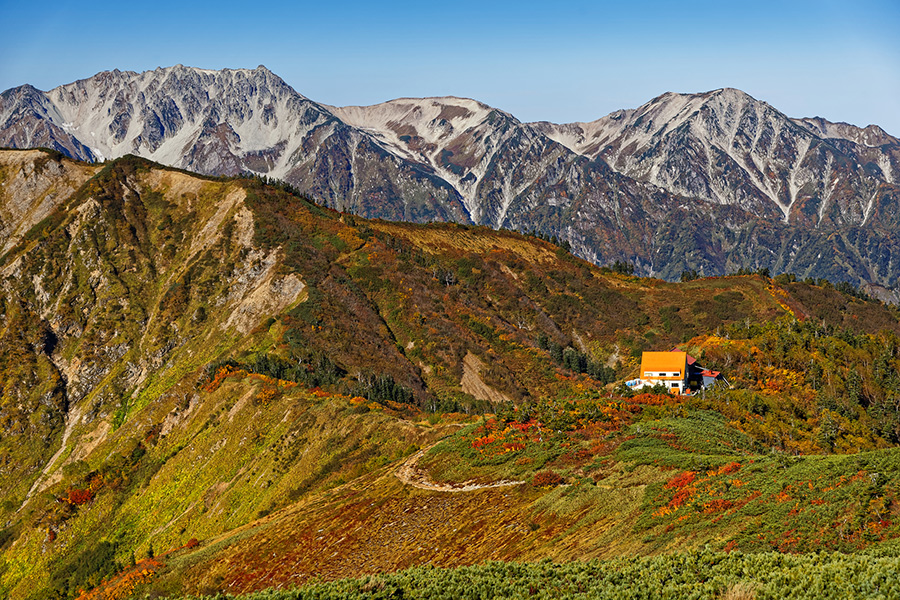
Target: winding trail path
[{"x": 410, "y": 474}]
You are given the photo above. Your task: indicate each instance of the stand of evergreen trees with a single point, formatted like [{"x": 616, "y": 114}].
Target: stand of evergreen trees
[
  {"x": 316, "y": 371},
  {"x": 383, "y": 388},
  {"x": 576, "y": 360},
  {"x": 693, "y": 574}
]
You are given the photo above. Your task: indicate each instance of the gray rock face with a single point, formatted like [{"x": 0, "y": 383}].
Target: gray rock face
[
  {"x": 29, "y": 120},
  {"x": 709, "y": 182}
]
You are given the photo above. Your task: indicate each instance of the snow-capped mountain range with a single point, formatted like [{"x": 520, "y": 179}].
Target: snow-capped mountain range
[
  {"x": 711, "y": 182},
  {"x": 223, "y": 123}
]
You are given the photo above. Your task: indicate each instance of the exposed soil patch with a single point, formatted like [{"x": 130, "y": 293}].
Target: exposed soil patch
[{"x": 472, "y": 383}]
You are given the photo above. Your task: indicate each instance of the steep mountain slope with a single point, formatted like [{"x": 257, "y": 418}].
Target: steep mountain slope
[
  {"x": 804, "y": 195},
  {"x": 35, "y": 184},
  {"x": 189, "y": 360},
  {"x": 487, "y": 154},
  {"x": 726, "y": 147},
  {"x": 514, "y": 177},
  {"x": 30, "y": 120},
  {"x": 734, "y": 168}
]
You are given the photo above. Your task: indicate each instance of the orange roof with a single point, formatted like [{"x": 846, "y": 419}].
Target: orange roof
[{"x": 663, "y": 361}]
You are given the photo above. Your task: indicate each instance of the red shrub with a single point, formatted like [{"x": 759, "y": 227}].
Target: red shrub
[
  {"x": 546, "y": 479},
  {"x": 680, "y": 497},
  {"x": 682, "y": 480},
  {"x": 78, "y": 497}
]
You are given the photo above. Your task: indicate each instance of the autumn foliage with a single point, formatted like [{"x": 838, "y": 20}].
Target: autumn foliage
[
  {"x": 682, "y": 480},
  {"x": 77, "y": 497},
  {"x": 546, "y": 479},
  {"x": 123, "y": 584}
]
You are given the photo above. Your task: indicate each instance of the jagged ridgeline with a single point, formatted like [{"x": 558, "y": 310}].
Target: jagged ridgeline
[{"x": 198, "y": 374}]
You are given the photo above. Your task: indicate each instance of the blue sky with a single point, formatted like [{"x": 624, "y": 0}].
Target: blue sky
[{"x": 576, "y": 62}]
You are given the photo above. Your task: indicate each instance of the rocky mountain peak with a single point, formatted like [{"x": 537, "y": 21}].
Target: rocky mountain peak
[
  {"x": 726, "y": 147},
  {"x": 467, "y": 143}
]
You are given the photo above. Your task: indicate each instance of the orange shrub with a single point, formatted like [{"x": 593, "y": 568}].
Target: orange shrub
[
  {"x": 650, "y": 399},
  {"x": 483, "y": 441},
  {"x": 222, "y": 373},
  {"x": 267, "y": 394},
  {"x": 714, "y": 506}
]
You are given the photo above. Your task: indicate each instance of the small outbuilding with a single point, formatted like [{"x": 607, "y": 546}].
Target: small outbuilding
[{"x": 711, "y": 377}]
